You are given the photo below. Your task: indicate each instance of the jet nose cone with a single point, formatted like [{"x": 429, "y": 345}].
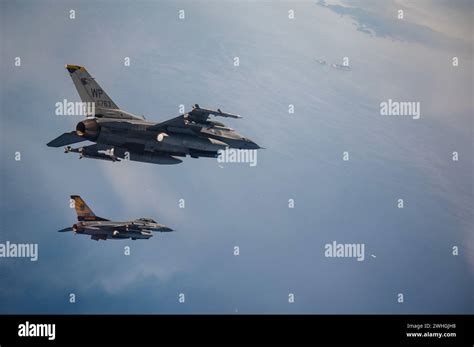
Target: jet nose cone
[
  {"x": 253, "y": 145},
  {"x": 163, "y": 228},
  {"x": 249, "y": 144}
]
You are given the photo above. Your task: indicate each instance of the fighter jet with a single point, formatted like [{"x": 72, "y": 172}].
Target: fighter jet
[
  {"x": 102, "y": 229},
  {"x": 120, "y": 135}
]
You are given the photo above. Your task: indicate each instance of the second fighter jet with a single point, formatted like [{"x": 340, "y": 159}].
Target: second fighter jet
[{"x": 103, "y": 229}]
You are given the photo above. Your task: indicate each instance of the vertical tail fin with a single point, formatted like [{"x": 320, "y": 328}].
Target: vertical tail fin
[
  {"x": 84, "y": 213},
  {"x": 89, "y": 90}
]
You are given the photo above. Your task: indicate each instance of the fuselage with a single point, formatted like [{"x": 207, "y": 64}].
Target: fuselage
[
  {"x": 136, "y": 229},
  {"x": 141, "y": 136}
]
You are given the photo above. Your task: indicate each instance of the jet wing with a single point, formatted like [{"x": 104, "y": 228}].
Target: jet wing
[
  {"x": 198, "y": 117},
  {"x": 66, "y": 139}
]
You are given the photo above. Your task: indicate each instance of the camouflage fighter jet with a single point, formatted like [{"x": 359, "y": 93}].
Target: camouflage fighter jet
[
  {"x": 121, "y": 135},
  {"x": 102, "y": 229}
]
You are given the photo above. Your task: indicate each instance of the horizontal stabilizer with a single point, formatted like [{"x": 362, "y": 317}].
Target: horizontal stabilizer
[
  {"x": 64, "y": 230},
  {"x": 66, "y": 139}
]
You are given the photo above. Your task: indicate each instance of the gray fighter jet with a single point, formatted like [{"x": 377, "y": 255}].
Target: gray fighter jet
[
  {"x": 102, "y": 229},
  {"x": 121, "y": 135}
]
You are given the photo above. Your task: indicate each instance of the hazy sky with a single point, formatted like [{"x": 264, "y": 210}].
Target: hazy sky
[{"x": 190, "y": 61}]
